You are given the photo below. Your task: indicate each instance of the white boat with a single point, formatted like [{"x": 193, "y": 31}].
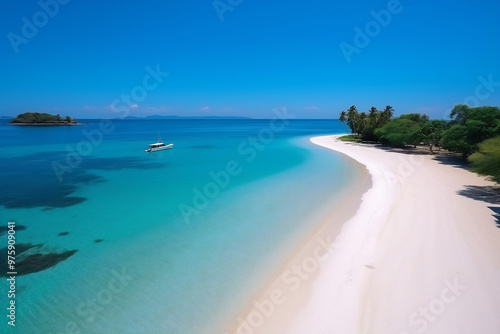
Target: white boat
[{"x": 159, "y": 146}]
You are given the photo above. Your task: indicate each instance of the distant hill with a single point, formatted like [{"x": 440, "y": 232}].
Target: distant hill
[{"x": 186, "y": 117}]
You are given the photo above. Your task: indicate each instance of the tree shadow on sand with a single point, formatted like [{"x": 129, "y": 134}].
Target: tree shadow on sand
[
  {"x": 405, "y": 150},
  {"x": 452, "y": 161},
  {"x": 496, "y": 214},
  {"x": 486, "y": 194}
]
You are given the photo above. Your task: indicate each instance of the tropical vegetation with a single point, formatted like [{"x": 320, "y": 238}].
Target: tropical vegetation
[
  {"x": 40, "y": 118},
  {"x": 486, "y": 160},
  {"x": 472, "y": 133}
]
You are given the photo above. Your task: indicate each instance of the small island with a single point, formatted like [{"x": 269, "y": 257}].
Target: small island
[{"x": 36, "y": 118}]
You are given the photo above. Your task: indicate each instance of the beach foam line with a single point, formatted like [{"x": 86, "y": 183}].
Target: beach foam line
[
  {"x": 335, "y": 303},
  {"x": 290, "y": 285}
]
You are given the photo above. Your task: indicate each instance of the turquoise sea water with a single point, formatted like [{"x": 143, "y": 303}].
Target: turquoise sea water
[{"x": 176, "y": 241}]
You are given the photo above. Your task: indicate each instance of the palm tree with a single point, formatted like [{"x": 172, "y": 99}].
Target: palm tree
[
  {"x": 343, "y": 119},
  {"x": 387, "y": 115},
  {"x": 352, "y": 116},
  {"x": 373, "y": 114},
  {"x": 362, "y": 122}
]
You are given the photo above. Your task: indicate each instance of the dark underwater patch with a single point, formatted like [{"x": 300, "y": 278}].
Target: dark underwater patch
[
  {"x": 31, "y": 259},
  {"x": 38, "y": 262},
  {"x": 4, "y": 229},
  {"x": 30, "y": 181}
]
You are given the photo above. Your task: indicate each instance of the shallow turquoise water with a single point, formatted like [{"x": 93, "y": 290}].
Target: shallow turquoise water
[{"x": 156, "y": 269}]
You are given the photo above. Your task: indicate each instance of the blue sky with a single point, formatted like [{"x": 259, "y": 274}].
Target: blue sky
[{"x": 428, "y": 57}]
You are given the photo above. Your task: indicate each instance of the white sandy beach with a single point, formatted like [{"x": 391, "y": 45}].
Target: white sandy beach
[{"x": 417, "y": 257}]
